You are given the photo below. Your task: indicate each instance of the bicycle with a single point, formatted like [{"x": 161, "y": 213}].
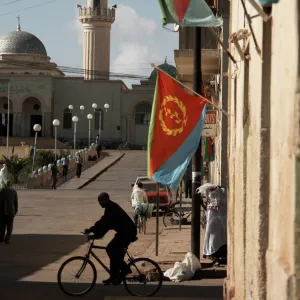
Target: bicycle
[
  {"x": 124, "y": 146},
  {"x": 172, "y": 217},
  {"x": 141, "y": 225},
  {"x": 136, "y": 275}
]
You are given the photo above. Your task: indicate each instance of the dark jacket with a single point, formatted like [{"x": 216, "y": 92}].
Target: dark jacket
[
  {"x": 8, "y": 202},
  {"x": 115, "y": 218}
]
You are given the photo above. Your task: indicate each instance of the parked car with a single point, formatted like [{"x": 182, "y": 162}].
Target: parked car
[
  {"x": 165, "y": 195},
  {"x": 140, "y": 179}
]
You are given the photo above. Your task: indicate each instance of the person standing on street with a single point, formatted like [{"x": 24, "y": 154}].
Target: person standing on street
[
  {"x": 8, "y": 211},
  {"x": 98, "y": 149},
  {"x": 65, "y": 167},
  {"x": 79, "y": 162},
  {"x": 188, "y": 181},
  {"x": 54, "y": 171}
]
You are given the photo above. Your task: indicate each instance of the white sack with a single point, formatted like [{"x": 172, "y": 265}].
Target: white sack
[{"x": 185, "y": 270}]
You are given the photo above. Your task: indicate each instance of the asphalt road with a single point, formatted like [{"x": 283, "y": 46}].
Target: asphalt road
[{"x": 47, "y": 232}]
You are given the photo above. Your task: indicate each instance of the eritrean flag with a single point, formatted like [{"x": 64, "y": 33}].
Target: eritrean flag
[
  {"x": 175, "y": 129},
  {"x": 188, "y": 13}
]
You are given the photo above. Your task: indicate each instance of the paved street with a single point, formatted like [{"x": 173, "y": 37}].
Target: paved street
[{"x": 47, "y": 231}]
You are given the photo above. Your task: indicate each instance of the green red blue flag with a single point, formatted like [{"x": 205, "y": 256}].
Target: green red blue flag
[
  {"x": 188, "y": 13},
  {"x": 175, "y": 130}
]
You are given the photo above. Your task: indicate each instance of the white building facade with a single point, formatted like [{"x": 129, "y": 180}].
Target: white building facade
[{"x": 39, "y": 92}]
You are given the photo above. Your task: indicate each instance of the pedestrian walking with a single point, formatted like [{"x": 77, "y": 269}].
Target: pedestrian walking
[
  {"x": 3, "y": 176},
  {"x": 66, "y": 167},
  {"x": 8, "y": 211},
  {"x": 97, "y": 139},
  {"x": 79, "y": 162},
  {"x": 54, "y": 171},
  {"x": 98, "y": 149},
  {"x": 188, "y": 181}
]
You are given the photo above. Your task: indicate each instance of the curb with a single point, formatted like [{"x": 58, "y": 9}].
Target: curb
[{"x": 101, "y": 172}]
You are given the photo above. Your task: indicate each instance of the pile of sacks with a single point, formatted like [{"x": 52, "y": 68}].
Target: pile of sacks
[{"x": 144, "y": 209}]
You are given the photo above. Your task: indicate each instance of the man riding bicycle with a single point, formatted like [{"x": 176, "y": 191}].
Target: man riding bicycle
[
  {"x": 115, "y": 218},
  {"x": 138, "y": 196}
]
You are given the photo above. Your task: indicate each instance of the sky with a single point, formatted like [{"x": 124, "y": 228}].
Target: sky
[{"x": 137, "y": 37}]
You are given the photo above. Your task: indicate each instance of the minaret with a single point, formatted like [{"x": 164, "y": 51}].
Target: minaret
[{"x": 96, "y": 19}]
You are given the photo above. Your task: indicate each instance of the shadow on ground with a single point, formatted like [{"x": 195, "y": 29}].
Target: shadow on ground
[
  {"x": 29, "y": 253},
  {"x": 50, "y": 291}
]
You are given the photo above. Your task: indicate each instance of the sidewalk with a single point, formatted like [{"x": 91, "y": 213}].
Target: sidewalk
[
  {"x": 93, "y": 172},
  {"x": 174, "y": 245}
]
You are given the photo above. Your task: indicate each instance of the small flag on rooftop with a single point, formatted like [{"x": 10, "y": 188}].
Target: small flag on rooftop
[{"x": 188, "y": 13}]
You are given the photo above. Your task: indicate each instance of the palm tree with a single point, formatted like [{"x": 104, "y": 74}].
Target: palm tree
[{"x": 15, "y": 165}]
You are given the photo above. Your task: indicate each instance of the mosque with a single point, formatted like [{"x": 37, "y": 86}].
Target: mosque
[{"x": 40, "y": 92}]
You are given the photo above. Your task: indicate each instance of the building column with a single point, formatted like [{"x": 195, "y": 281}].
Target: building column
[
  {"x": 15, "y": 124},
  {"x": 47, "y": 124}
]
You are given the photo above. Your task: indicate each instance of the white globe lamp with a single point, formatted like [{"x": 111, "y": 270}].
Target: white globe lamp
[
  {"x": 106, "y": 106},
  {"x": 75, "y": 119}
]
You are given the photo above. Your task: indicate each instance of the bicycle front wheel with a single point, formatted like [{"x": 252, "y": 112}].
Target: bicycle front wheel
[
  {"x": 145, "y": 279},
  {"x": 77, "y": 276}
]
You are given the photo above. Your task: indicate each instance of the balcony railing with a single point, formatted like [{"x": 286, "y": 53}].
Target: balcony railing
[{"x": 99, "y": 13}]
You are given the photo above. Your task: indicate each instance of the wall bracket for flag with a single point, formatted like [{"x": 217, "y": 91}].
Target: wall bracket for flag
[
  {"x": 244, "y": 36},
  {"x": 260, "y": 11},
  {"x": 222, "y": 45},
  {"x": 191, "y": 90},
  {"x": 249, "y": 20}
]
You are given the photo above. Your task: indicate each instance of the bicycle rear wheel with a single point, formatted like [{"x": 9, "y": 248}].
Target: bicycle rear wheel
[
  {"x": 146, "y": 278},
  {"x": 78, "y": 268},
  {"x": 170, "y": 217}
]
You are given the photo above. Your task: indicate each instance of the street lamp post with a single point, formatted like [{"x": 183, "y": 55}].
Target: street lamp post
[
  {"x": 75, "y": 120},
  {"x": 94, "y": 106},
  {"x": 90, "y": 117},
  {"x": 55, "y": 123},
  {"x": 37, "y": 128},
  {"x": 81, "y": 108},
  {"x": 7, "y": 82}
]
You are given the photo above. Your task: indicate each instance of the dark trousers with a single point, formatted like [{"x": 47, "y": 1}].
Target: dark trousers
[
  {"x": 65, "y": 170},
  {"x": 54, "y": 182},
  {"x": 188, "y": 188},
  {"x": 116, "y": 252},
  {"x": 98, "y": 153},
  {"x": 78, "y": 171},
  {"x": 6, "y": 228}
]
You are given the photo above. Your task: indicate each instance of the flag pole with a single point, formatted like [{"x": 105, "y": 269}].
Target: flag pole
[
  {"x": 197, "y": 158},
  {"x": 191, "y": 90},
  {"x": 157, "y": 219}
]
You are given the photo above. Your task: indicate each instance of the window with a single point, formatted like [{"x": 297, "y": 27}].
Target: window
[
  {"x": 67, "y": 119},
  {"x": 98, "y": 112},
  {"x": 143, "y": 114}
]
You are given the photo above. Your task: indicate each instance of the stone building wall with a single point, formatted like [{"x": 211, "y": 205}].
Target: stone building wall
[{"x": 262, "y": 157}]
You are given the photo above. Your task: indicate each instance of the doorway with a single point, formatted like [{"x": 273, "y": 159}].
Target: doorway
[
  {"x": 35, "y": 119},
  {"x": 3, "y": 124}
]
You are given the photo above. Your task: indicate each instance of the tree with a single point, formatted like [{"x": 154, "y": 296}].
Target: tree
[
  {"x": 16, "y": 165},
  {"x": 43, "y": 158}
]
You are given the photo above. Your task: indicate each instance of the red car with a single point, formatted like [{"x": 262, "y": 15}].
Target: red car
[{"x": 165, "y": 195}]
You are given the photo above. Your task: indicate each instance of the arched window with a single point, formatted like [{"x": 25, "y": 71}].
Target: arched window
[
  {"x": 143, "y": 114},
  {"x": 98, "y": 113},
  {"x": 67, "y": 119}
]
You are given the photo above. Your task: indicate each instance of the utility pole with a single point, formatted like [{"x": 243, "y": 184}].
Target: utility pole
[{"x": 197, "y": 159}]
